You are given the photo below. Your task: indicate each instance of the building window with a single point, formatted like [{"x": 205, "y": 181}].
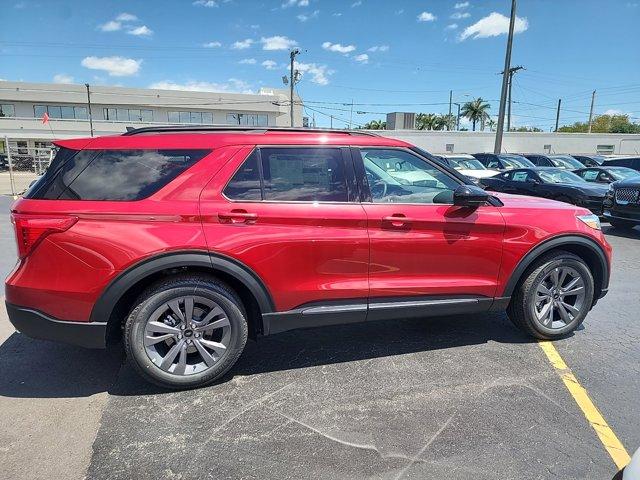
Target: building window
[
  {"x": 66, "y": 112},
  {"x": 23, "y": 147},
  {"x": 605, "y": 149},
  {"x": 7, "y": 110},
  {"x": 248, "y": 119},
  {"x": 127, "y": 114},
  {"x": 199, "y": 118}
]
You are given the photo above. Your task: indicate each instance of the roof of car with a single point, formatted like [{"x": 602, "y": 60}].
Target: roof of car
[{"x": 212, "y": 137}]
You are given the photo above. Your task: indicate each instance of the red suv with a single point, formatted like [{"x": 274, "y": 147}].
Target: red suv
[{"x": 186, "y": 241}]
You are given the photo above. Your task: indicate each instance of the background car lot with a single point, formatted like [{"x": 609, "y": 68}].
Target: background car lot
[{"x": 435, "y": 398}]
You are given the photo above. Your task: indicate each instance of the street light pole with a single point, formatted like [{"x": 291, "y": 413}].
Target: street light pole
[
  {"x": 89, "y": 107},
  {"x": 292, "y": 81},
  {"x": 449, "y": 117},
  {"x": 505, "y": 77}
]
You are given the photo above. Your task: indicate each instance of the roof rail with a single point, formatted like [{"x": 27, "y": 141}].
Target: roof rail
[{"x": 213, "y": 128}]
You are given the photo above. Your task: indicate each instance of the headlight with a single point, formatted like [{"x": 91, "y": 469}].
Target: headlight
[{"x": 590, "y": 220}]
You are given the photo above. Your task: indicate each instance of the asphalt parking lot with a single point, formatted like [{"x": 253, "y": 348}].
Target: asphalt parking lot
[{"x": 455, "y": 398}]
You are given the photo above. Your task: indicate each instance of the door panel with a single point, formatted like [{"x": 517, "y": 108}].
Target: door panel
[{"x": 303, "y": 251}]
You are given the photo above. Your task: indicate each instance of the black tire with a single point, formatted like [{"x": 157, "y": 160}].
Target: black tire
[
  {"x": 622, "y": 224},
  {"x": 521, "y": 309},
  {"x": 161, "y": 293}
]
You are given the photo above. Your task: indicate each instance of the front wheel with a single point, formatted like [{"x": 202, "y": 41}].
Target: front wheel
[
  {"x": 555, "y": 296},
  {"x": 186, "y": 332}
]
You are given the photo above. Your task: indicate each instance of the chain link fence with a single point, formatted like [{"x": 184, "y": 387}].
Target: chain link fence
[{"x": 20, "y": 166}]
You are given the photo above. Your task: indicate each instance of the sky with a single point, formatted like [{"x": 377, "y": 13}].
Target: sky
[{"x": 380, "y": 56}]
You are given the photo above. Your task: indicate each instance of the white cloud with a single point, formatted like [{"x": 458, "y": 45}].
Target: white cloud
[
  {"x": 459, "y": 15},
  {"x": 399, "y": 12},
  {"x": 277, "y": 42},
  {"x": 493, "y": 25},
  {"x": 205, "y": 3},
  {"x": 379, "y": 48},
  {"x": 460, "y": 5},
  {"x": 62, "y": 78},
  {"x": 426, "y": 17},
  {"x": 269, "y": 64},
  {"x": 247, "y": 61},
  {"x": 356, "y": 4},
  {"x": 614, "y": 111},
  {"x": 141, "y": 31},
  {"x": 319, "y": 73},
  {"x": 304, "y": 17},
  {"x": 336, "y": 14},
  {"x": 337, "y": 47},
  {"x": 212, "y": 45},
  {"x": 295, "y": 3},
  {"x": 231, "y": 86},
  {"x": 114, "y": 66},
  {"x": 451, "y": 26},
  {"x": 362, "y": 58},
  {"x": 111, "y": 26},
  {"x": 242, "y": 44},
  {"x": 126, "y": 17}
]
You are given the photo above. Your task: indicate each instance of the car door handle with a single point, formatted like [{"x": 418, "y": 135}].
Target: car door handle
[
  {"x": 237, "y": 216},
  {"x": 397, "y": 220}
]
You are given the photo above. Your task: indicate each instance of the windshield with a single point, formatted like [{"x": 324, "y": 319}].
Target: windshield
[
  {"x": 559, "y": 176},
  {"x": 463, "y": 163},
  {"x": 623, "y": 173},
  {"x": 565, "y": 161},
  {"x": 515, "y": 161}
]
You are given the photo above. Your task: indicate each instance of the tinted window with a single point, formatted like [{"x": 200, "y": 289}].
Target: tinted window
[
  {"x": 113, "y": 174},
  {"x": 304, "y": 174},
  {"x": 245, "y": 184},
  {"x": 396, "y": 176},
  {"x": 520, "y": 176}
]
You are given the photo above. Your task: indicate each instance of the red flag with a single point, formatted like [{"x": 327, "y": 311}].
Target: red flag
[{"x": 45, "y": 118}]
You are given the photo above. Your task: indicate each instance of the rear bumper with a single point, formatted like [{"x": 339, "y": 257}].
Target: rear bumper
[{"x": 38, "y": 325}]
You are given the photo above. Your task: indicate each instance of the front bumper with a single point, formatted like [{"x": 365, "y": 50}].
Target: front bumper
[
  {"x": 38, "y": 325},
  {"x": 627, "y": 214}
]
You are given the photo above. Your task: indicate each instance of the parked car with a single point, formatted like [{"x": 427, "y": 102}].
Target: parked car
[
  {"x": 550, "y": 182},
  {"x": 590, "y": 160},
  {"x": 629, "y": 162},
  {"x": 622, "y": 203},
  {"x": 4, "y": 163},
  {"x": 469, "y": 165},
  {"x": 502, "y": 161},
  {"x": 185, "y": 241},
  {"x": 606, "y": 174},
  {"x": 560, "y": 161}
]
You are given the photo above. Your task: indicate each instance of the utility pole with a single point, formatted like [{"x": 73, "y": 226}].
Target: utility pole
[
  {"x": 558, "y": 114},
  {"x": 449, "y": 117},
  {"x": 512, "y": 71},
  {"x": 89, "y": 107},
  {"x": 292, "y": 80},
  {"x": 503, "y": 94},
  {"x": 351, "y": 116},
  {"x": 331, "y": 117},
  {"x": 593, "y": 101}
]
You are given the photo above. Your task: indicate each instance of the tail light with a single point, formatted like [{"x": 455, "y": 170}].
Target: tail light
[{"x": 32, "y": 229}]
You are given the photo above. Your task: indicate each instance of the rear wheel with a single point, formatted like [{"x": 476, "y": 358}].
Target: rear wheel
[
  {"x": 622, "y": 224},
  {"x": 186, "y": 332},
  {"x": 555, "y": 296}
]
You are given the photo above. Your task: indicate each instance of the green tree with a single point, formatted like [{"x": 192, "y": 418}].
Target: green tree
[
  {"x": 604, "y": 124},
  {"x": 475, "y": 111},
  {"x": 375, "y": 125},
  {"x": 426, "y": 121}
]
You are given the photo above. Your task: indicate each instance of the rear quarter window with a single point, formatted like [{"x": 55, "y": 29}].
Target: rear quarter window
[{"x": 119, "y": 175}]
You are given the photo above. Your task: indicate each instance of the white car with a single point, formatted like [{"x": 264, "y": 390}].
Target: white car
[{"x": 469, "y": 166}]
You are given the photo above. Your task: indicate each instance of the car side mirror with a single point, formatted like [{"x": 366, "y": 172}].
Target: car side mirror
[{"x": 469, "y": 196}]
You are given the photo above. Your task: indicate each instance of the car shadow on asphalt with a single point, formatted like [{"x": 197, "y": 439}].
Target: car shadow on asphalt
[
  {"x": 622, "y": 233},
  {"x": 41, "y": 369}
]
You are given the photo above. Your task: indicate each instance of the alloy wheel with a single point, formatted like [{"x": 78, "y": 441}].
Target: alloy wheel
[
  {"x": 559, "y": 297},
  {"x": 187, "y": 335}
]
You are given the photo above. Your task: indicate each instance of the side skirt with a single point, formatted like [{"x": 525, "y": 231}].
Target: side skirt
[{"x": 358, "y": 310}]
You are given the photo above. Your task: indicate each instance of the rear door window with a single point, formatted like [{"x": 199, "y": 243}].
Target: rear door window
[{"x": 118, "y": 175}]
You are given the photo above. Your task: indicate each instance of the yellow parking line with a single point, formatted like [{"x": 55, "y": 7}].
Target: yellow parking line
[{"x": 611, "y": 443}]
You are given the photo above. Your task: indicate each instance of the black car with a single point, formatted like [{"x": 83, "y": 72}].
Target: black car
[
  {"x": 4, "y": 163},
  {"x": 502, "y": 161},
  {"x": 606, "y": 174},
  {"x": 590, "y": 160},
  {"x": 550, "y": 182},
  {"x": 555, "y": 160},
  {"x": 629, "y": 162},
  {"x": 622, "y": 203}
]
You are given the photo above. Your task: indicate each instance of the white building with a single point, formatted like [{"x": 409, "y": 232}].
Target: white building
[{"x": 22, "y": 106}]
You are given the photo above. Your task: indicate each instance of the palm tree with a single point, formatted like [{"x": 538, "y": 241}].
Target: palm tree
[
  {"x": 491, "y": 123},
  {"x": 475, "y": 111},
  {"x": 375, "y": 125},
  {"x": 426, "y": 121}
]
